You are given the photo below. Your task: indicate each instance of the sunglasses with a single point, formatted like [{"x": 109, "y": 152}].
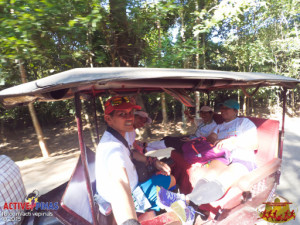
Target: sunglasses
[
  {"x": 204, "y": 111},
  {"x": 117, "y": 101}
]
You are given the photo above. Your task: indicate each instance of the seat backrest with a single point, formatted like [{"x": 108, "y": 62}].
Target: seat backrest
[
  {"x": 75, "y": 198},
  {"x": 268, "y": 138}
]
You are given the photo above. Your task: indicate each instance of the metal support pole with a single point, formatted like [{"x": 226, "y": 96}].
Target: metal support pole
[
  {"x": 283, "y": 120},
  {"x": 95, "y": 119},
  {"x": 83, "y": 156}
]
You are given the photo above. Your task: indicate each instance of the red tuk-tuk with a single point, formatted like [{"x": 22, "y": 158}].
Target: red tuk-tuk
[{"x": 241, "y": 200}]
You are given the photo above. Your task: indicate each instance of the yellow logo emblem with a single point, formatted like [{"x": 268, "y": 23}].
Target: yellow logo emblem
[{"x": 277, "y": 212}]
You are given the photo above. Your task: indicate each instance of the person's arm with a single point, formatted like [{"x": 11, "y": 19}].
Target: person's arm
[
  {"x": 212, "y": 138},
  {"x": 161, "y": 166},
  {"x": 228, "y": 143},
  {"x": 189, "y": 116},
  {"x": 121, "y": 198},
  {"x": 139, "y": 156},
  {"x": 246, "y": 140}
]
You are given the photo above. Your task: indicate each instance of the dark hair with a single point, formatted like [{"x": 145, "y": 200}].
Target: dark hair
[
  {"x": 112, "y": 113},
  {"x": 210, "y": 112}
]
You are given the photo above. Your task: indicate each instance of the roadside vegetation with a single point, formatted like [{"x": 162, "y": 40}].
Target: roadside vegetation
[{"x": 41, "y": 38}]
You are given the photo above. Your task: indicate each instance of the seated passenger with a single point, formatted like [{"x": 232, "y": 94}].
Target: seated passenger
[
  {"x": 141, "y": 119},
  {"x": 116, "y": 175},
  {"x": 205, "y": 126},
  {"x": 12, "y": 189},
  {"x": 239, "y": 135}
]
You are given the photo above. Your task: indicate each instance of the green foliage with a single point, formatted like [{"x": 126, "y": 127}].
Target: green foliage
[
  {"x": 47, "y": 113},
  {"x": 235, "y": 35}
]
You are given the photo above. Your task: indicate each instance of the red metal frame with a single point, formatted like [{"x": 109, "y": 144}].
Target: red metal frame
[
  {"x": 83, "y": 155},
  {"x": 95, "y": 118},
  {"x": 282, "y": 124}
]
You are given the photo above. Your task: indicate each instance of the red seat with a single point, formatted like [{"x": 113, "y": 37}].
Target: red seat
[
  {"x": 257, "y": 185},
  {"x": 163, "y": 219}
]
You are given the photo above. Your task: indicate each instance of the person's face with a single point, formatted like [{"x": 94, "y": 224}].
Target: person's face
[
  {"x": 139, "y": 121},
  {"x": 228, "y": 114},
  {"x": 121, "y": 120},
  {"x": 206, "y": 116}
]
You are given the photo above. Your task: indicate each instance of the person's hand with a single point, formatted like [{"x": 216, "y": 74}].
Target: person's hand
[
  {"x": 219, "y": 143},
  {"x": 228, "y": 143},
  {"x": 212, "y": 138},
  {"x": 163, "y": 167},
  {"x": 187, "y": 112},
  {"x": 188, "y": 115}
]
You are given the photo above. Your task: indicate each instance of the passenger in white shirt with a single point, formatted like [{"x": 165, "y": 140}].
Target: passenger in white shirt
[
  {"x": 239, "y": 135},
  {"x": 205, "y": 125},
  {"x": 141, "y": 119},
  {"x": 116, "y": 175}
]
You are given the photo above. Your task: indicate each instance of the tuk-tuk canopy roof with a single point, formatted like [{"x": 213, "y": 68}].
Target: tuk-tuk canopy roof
[{"x": 97, "y": 81}]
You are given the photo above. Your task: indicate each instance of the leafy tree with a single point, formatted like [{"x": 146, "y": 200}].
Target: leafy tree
[{"x": 235, "y": 35}]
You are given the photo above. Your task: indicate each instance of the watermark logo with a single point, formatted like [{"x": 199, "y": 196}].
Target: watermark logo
[
  {"x": 15, "y": 211},
  {"x": 278, "y": 212},
  {"x": 32, "y": 199}
]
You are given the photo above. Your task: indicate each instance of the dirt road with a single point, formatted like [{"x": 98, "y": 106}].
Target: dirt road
[{"x": 290, "y": 173}]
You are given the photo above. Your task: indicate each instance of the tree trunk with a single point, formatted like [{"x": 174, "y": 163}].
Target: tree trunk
[
  {"x": 197, "y": 100},
  {"x": 197, "y": 43},
  {"x": 3, "y": 138},
  {"x": 208, "y": 98},
  {"x": 127, "y": 47},
  {"x": 251, "y": 106},
  {"x": 205, "y": 98},
  {"x": 89, "y": 121},
  {"x": 239, "y": 96},
  {"x": 185, "y": 65},
  {"x": 183, "y": 119},
  {"x": 159, "y": 40},
  {"x": 163, "y": 95},
  {"x": 204, "y": 51},
  {"x": 102, "y": 103},
  {"x": 34, "y": 118},
  {"x": 248, "y": 106},
  {"x": 164, "y": 108},
  {"x": 174, "y": 111},
  {"x": 245, "y": 106},
  {"x": 293, "y": 102}
]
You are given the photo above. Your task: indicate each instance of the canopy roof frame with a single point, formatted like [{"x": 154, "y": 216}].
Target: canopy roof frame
[{"x": 65, "y": 84}]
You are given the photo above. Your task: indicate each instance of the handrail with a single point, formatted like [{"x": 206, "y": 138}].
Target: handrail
[
  {"x": 83, "y": 156},
  {"x": 246, "y": 182}
]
